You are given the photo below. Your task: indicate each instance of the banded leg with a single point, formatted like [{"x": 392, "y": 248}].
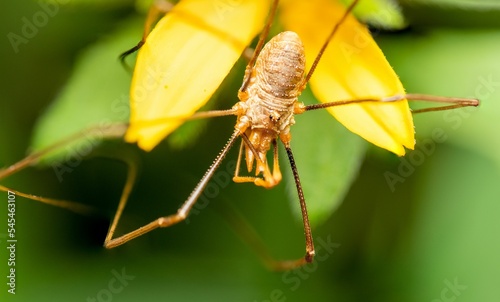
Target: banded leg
[
  {"x": 112, "y": 131},
  {"x": 170, "y": 220},
  {"x": 258, "y": 48},
  {"x": 247, "y": 233},
  {"x": 453, "y": 102},
  {"x": 310, "y": 252}
]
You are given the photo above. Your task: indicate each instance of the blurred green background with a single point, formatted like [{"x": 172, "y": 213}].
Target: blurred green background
[{"x": 432, "y": 236}]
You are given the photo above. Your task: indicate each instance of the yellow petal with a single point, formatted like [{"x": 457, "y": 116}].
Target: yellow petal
[
  {"x": 184, "y": 60},
  {"x": 353, "y": 67}
]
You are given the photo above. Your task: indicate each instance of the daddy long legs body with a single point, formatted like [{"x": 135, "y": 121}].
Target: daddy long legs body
[
  {"x": 265, "y": 113},
  {"x": 266, "y": 108},
  {"x": 274, "y": 79}
]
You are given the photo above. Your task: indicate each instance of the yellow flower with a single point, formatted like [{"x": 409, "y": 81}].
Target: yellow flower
[
  {"x": 353, "y": 67},
  {"x": 185, "y": 59},
  {"x": 191, "y": 50}
]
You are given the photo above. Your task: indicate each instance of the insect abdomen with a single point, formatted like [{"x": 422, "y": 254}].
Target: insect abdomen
[{"x": 280, "y": 67}]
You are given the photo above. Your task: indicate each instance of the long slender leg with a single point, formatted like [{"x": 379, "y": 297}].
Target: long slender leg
[
  {"x": 455, "y": 102},
  {"x": 195, "y": 116},
  {"x": 182, "y": 212},
  {"x": 127, "y": 189},
  {"x": 238, "y": 163},
  {"x": 159, "y": 7},
  {"x": 113, "y": 131},
  {"x": 247, "y": 233},
  {"x": 65, "y": 204},
  {"x": 286, "y": 265},
  {"x": 255, "y": 242},
  {"x": 162, "y": 7},
  {"x": 260, "y": 45},
  {"x": 325, "y": 45},
  {"x": 301, "y": 108}
]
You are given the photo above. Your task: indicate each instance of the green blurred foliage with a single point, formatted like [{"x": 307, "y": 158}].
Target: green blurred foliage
[
  {"x": 92, "y": 96},
  {"x": 409, "y": 239},
  {"x": 379, "y": 13},
  {"x": 328, "y": 159}
]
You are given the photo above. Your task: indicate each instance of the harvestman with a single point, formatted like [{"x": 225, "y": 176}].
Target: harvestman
[{"x": 274, "y": 78}]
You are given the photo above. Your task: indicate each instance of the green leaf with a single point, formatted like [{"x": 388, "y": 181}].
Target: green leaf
[
  {"x": 463, "y": 4},
  {"x": 453, "y": 63},
  {"x": 451, "y": 13},
  {"x": 328, "y": 158},
  {"x": 384, "y": 14},
  {"x": 96, "y": 95}
]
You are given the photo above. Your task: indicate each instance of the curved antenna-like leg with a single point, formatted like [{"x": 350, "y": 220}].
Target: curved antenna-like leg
[
  {"x": 452, "y": 101},
  {"x": 260, "y": 45},
  {"x": 159, "y": 7},
  {"x": 182, "y": 212},
  {"x": 308, "y": 257},
  {"x": 113, "y": 131}
]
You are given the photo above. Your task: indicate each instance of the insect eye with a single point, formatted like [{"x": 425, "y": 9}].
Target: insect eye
[{"x": 274, "y": 117}]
